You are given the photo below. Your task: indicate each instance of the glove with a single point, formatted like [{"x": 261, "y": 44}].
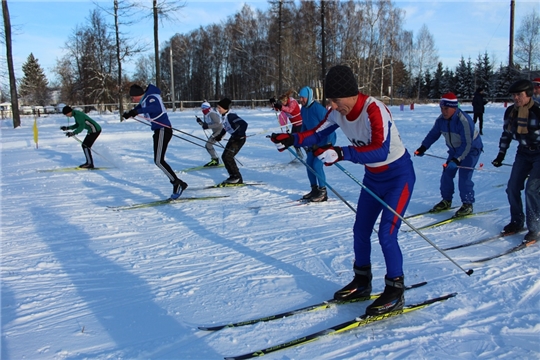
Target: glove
[
  {"x": 64, "y": 128},
  {"x": 282, "y": 141},
  {"x": 451, "y": 164},
  {"x": 498, "y": 160},
  {"x": 70, "y": 134},
  {"x": 272, "y": 100},
  {"x": 202, "y": 123},
  {"x": 329, "y": 154},
  {"x": 218, "y": 137},
  {"x": 278, "y": 106},
  {"x": 420, "y": 151},
  {"x": 129, "y": 114}
]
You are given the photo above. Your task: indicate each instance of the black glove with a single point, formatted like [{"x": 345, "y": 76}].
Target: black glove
[
  {"x": 498, "y": 160},
  {"x": 272, "y": 100},
  {"x": 219, "y": 136},
  {"x": 64, "y": 128},
  {"x": 70, "y": 134},
  {"x": 282, "y": 140},
  {"x": 278, "y": 105},
  {"x": 129, "y": 114},
  {"x": 420, "y": 151},
  {"x": 202, "y": 123}
]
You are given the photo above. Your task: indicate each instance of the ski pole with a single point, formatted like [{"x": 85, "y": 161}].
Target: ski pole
[
  {"x": 172, "y": 128},
  {"x": 468, "y": 272},
  {"x": 92, "y": 150},
  {"x": 189, "y": 141},
  {"x": 322, "y": 180}
]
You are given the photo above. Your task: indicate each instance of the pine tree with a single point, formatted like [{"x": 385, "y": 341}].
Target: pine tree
[
  {"x": 437, "y": 82},
  {"x": 483, "y": 74},
  {"x": 33, "y": 87}
]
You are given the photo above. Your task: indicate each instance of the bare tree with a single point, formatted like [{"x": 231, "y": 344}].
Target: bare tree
[
  {"x": 162, "y": 10},
  {"x": 122, "y": 13},
  {"x": 527, "y": 45},
  {"x": 11, "y": 70},
  {"x": 425, "y": 55}
]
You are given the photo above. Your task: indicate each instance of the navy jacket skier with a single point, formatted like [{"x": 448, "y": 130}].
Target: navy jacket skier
[
  {"x": 149, "y": 104},
  {"x": 464, "y": 149}
]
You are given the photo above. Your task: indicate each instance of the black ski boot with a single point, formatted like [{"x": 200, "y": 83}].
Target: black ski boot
[
  {"x": 178, "y": 188},
  {"x": 320, "y": 196},
  {"x": 314, "y": 191},
  {"x": 391, "y": 299},
  {"x": 359, "y": 287},
  {"x": 512, "y": 228}
]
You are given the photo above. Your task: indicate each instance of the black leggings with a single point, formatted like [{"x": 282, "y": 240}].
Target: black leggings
[
  {"x": 87, "y": 146},
  {"x": 161, "y": 141}
]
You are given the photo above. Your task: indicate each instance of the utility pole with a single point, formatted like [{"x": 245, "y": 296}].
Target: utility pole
[
  {"x": 280, "y": 25},
  {"x": 172, "y": 81},
  {"x": 511, "y": 50}
]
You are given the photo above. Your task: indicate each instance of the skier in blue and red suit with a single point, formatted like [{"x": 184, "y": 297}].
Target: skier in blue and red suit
[{"x": 389, "y": 174}]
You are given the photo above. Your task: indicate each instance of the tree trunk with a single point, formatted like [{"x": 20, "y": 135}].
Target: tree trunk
[{"x": 9, "y": 58}]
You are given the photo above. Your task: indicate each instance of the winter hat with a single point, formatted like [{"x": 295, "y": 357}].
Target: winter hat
[
  {"x": 536, "y": 81},
  {"x": 307, "y": 93},
  {"x": 224, "y": 103},
  {"x": 522, "y": 85},
  {"x": 340, "y": 83},
  {"x": 66, "y": 110},
  {"x": 449, "y": 100},
  {"x": 205, "y": 105},
  {"x": 136, "y": 90}
]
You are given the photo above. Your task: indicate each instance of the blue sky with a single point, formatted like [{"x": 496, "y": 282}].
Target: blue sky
[{"x": 460, "y": 28}]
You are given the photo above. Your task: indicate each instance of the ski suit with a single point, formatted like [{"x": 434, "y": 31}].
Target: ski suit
[
  {"x": 465, "y": 145},
  {"x": 213, "y": 120},
  {"x": 151, "y": 105},
  {"x": 389, "y": 173},
  {"x": 236, "y": 127},
  {"x": 312, "y": 114},
  {"x": 84, "y": 122}
]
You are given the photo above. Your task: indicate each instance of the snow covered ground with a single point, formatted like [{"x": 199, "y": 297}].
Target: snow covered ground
[{"x": 79, "y": 280}]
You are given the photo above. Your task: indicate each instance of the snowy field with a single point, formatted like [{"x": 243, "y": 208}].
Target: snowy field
[{"x": 81, "y": 281}]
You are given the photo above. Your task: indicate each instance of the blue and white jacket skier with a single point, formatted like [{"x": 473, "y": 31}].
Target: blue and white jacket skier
[{"x": 151, "y": 105}]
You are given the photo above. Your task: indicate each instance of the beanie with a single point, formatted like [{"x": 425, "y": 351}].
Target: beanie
[
  {"x": 340, "y": 83},
  {"x": 449, "y": 100},
  {"x": 205, "y": 105},
  {"x": 536, "y": 81},
  {"x": 66, "y": 110},
  {"x": 224, "y": 103},
  {"x": 136, "y": 90}
]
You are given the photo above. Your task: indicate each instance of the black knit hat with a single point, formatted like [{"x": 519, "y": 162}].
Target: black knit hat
[
  {"x": 340, "y": 83},
  {"x": 66, "y": 110},
  {"x": 136, "y": 90},
  {"x": 224, "y": 103}
]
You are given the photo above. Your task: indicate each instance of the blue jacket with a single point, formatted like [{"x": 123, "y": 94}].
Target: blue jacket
[
  {"x": 458, "y": 131},
  {"x": 312, "y": 115},
  {"x": 151, "y": 105}
]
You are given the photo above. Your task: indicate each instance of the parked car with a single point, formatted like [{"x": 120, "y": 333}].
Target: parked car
[
  {"x": 26, "y": 110},
  {"x": 38, "y": 109},
  {"x": 49, "y": 109}
]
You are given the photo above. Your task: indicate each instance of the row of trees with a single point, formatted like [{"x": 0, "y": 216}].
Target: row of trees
[{"x": 255, "y": 54}]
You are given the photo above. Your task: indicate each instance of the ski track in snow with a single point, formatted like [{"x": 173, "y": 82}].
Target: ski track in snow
[{"x": 79, "y": 280}]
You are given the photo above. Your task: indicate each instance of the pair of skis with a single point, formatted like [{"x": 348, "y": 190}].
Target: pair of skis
[
  {"x": 163, "y": 202},
  {"x": 343, "y": 327}
]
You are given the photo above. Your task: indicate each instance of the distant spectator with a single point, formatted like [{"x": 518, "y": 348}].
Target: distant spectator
[{"x": 478, "y": 104}]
